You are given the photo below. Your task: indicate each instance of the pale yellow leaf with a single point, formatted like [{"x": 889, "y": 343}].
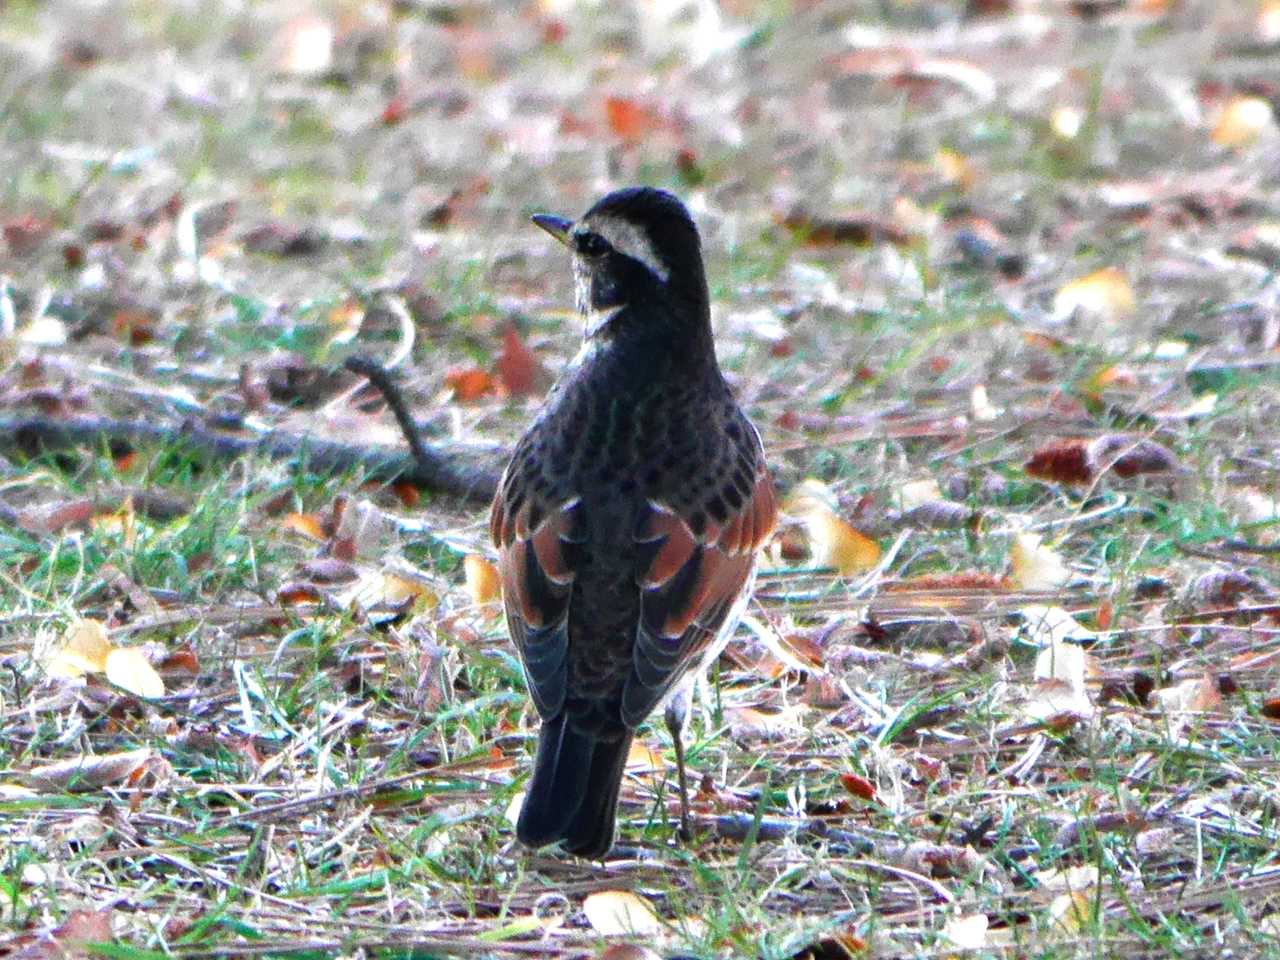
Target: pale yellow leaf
[
  {"x": 954, "y": 168},
  {"x": 1198, "y": 695},
  {"x": 1071, "y": 912},
  {"x": 916, "y": 493},
  {"x": 1067, "y": 122},
  {"x": 1104, "y": 294},
  {"x": 980, "y": 405},
  {"x": 306, "y": 46},
  {"x": 85, "y": 651},
  {"x": 615, "y": 912},
  {"x": 512, "y": 813},
  {"x": 1268, "y": 22},
  {"x": 1050, "y": 699},
  {"x": 1079, "y": 879},
  {"x": 1062, "y": 661},
  {"x": 1035, "y": 566},
  {"x": 1242, "y": 121},
  {"x": 832, "y": 542},
  {"x": 129, "y": 670},
  {"x": 967, "y": 932},
  {"x": 398, "y": 586},
  {"x": 483, "y": 582}
]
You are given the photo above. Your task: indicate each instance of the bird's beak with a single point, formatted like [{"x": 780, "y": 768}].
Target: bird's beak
[{"x": 558, "y": 227}]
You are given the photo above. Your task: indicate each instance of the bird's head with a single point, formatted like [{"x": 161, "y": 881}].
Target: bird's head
[{"x": 637, "y": 264}]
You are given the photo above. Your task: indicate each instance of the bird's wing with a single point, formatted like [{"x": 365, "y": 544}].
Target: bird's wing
[
  {"x": 535, "y": 540},
  {"x": 695, "y": 567}
]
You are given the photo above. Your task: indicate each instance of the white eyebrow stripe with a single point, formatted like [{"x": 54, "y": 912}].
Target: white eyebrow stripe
[{"x": 627, "y": 238}]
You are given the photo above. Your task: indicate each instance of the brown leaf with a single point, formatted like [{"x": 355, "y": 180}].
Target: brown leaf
[
  {"x": 89, "y": 772},
  {"x": 1271, "y": 708},
  {"x": 67, "y": 941},
  {"x": 330, "y": 570},
  {"x": 293, "y": 594},
  {"x": 24, "y": 234},
  {"x": 1129, "y": 456},
  {"x": 183, "y": 660},
  {"x": 55, "y": 517},
  {"x": 1224, "y": 587},
  {"x": 857, "y": 229},
  {"x": 281, "y": 240},
  {"x": 520, "y": 372},
  {"x": 1061, "y": 461},
  {"x": 962, "y": 580}
]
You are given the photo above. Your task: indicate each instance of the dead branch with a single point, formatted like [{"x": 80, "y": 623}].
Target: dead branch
[{"x": 452, "y": 473}]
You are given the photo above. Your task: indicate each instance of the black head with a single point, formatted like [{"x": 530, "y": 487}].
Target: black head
[{"x": 637, "y": 262}]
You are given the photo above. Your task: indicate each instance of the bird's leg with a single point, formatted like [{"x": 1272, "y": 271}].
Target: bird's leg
[{"x": 675, "y": 715}]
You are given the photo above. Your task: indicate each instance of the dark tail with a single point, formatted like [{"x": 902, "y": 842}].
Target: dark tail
[{"x": 573, "y": 793}]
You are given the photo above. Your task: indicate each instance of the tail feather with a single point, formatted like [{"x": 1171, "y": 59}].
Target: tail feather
[{"x": 573, "y": 793}]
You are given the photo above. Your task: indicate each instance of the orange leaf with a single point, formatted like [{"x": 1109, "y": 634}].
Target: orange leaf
[
  {"x": 630, "y": 119},
  {"x": 483, "y": 582},
  {"x": 858, "y": 786},
  {"x": 469, "y": 383},
  {"x": 308, "y": 524},
  {"x": 832, "y": 542}
]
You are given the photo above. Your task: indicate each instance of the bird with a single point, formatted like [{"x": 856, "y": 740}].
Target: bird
[{"x": 628, "y": 519}]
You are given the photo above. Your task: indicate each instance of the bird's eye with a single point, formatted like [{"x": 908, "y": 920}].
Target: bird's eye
[{"x": 591, "y": 245}]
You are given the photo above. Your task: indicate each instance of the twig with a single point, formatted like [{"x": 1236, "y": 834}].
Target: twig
[
  {"x": 450, "y": 473},
  {"x": 381, "y": 380}
]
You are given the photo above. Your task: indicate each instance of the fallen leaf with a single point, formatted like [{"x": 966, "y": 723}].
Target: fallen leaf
[
  {"x": 85, "y": 651},
  {"x": 832, "y": 541},
  {"x": 519, "y": 370},
  {"x": 1242, "y": 121},
  {"x": 1128, "y": 456},
  {"x": 616, "y": 912},
  {"x": 1072, "y": 912},
  {"x": 1197, "y": 695},
  {"x": 89, "y": 772},
  {"x": 968, "y": 932},
  {"x": 1061, "y": 461},
  {"x": 308, "y": 524},
  {"x": 630, "y": 119},
  {"x": 627, "y": 951},
  {"x": 305, "y": 46},
  {"x": 858, "y": 786},
  {"x": 128, "y": 669},
  {"x": 918, "y": 492},
  {"x": 1034, "y": 566},
  {"x": 1067, "y": 122},
  {"x": 1104, "y": 295},
  {"x": 483, "y": 581},
  {"x": 469, "y": 383}
]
